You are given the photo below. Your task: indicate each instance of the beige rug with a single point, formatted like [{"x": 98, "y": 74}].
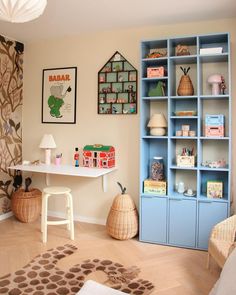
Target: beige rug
[{"x": 42, "y": 276}]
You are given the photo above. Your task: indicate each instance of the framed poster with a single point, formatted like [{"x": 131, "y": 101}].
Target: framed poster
[{"x": 59, "y": 95}]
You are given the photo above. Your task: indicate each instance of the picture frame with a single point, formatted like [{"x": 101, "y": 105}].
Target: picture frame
[{"x": 59, "y": 95}]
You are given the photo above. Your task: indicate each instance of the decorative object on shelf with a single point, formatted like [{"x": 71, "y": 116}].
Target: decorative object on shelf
[
  {"x": 182, "y": 50},
  {"x": 216, "y": 81},
  {"x": 186, "y": 159},
  {"x": 26, "y": 203},
  {"x": 155, "y": 187},
  {"x": 185, "y": 113},
  {"x": 185, "y": 85},
  {"x": 157, "y": 125},
  {"x": 58, "y": 159},
  {"x": 117, "y": 87},
  {"x": 189, "y": 193},
  {"x": 59, "y": 95},
  {"x": 21, "y": 11},
  {"x": 156, "y": 53},
  {"x": 122, "y": 220},
  {"x": 212, "y": 50},
  {"x": 157, "y": 169},
  {"x": 222, "y": 86},
  {"x": 214, "y": 125},
  {"x": 99, "y": 156},
  {"x": 159, "y": 90},
  {"x": 214, "y": 189},
  {"x": 186, "y": 131},
  {"x": 47, "y": 143},
  {"x": 155, "y": 72},
  {"x": 215, "y": 164},
  {"x": 76, "y": 157},
  {"x": 180, "y": 187}
]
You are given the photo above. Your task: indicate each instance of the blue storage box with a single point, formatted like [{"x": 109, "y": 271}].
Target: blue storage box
[{"x": 214, "y": 120}]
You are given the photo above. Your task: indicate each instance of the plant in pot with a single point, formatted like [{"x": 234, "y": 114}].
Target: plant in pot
[
  {"x": 122, "y": 221},
  {"x": 26, "y": 203}
]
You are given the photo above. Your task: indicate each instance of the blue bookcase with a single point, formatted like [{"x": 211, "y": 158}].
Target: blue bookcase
[{"x": 176, "y": 219}]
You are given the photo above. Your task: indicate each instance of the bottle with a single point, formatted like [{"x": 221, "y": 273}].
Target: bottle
[
  {"x": 157, "y": 169},
  {"x": 76, "y": 157}
]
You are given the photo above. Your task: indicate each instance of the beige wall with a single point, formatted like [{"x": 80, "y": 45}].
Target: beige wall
[{"x": 89, "y": 53}]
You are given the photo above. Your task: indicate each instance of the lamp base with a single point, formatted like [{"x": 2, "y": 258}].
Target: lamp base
[
  {"x": 47, "y": 156},
  {"x": 157, "y": 131}
]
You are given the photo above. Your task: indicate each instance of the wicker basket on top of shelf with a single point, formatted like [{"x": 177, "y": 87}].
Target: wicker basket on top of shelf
[{"x": 122, "y": 221}]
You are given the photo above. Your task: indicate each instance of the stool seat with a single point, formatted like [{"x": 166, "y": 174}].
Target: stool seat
[
  {"x": 56, "y": 190},
  {"x": 69, "y": 221}
]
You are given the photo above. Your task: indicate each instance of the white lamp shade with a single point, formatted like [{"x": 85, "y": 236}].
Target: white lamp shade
[
  {"x": 47, "y": 142},
  {"x": 20, "y": 11},
  {"x": 157, "y": 120}
]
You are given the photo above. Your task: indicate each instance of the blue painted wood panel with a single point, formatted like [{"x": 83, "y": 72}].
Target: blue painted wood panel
[
  {"x": 182, "y": 227},
  {"x": 210, "y": 213},
  {"x": 153, "y": 219}
]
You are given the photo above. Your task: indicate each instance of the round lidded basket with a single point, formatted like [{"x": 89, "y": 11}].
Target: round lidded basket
[
  {"x": 26, "y": 206},
  {"x": 122, "y": 221},
  {"x": 185, "y": 84}
]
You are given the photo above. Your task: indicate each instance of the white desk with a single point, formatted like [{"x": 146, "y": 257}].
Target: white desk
[{"x": 67, "y": 170}]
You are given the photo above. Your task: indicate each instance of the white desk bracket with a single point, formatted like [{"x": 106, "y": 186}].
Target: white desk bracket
[{"x": 104, "y": 183}]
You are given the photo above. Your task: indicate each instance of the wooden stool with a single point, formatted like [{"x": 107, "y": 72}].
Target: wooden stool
[{"x": 57, "y": 190}]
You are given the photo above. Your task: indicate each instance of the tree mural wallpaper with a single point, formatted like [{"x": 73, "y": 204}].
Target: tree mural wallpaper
[{"x": 11, "y": 97}]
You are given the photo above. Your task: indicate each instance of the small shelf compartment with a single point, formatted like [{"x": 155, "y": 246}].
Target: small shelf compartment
[
  {"x": 183, "y": 47},
  {"x": 214, "y": 176},
  {"x": 187, "y": 176},
  {"x": 213, "y": 43},
  {"x": 153, "y": 147},
  {"x": 154, "y": 49}
]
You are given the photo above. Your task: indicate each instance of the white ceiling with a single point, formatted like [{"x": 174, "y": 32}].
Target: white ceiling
[{"x": 73, "y": 17}]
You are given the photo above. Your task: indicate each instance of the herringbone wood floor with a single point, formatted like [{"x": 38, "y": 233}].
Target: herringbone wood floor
[{"x": 173, "y": 271}]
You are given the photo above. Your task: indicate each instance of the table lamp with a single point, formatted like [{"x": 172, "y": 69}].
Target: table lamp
[
  {"x": 47, "y": 143},
  {"x": 157, "y": 124}
]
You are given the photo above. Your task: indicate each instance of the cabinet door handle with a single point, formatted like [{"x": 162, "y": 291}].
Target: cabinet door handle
[{"x": 206, "y": 201}]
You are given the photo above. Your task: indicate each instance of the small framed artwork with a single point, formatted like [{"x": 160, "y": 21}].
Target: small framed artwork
[{"x": 59, "y": 95}]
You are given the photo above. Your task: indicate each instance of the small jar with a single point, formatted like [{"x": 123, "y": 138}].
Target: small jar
[{"x": 157, "y": 169}]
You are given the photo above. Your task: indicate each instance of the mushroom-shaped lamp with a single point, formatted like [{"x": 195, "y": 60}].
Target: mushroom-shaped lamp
[{"x": 215, "y": 80}]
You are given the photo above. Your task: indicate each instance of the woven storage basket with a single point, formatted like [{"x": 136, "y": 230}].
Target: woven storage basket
[
  {"x": 122, "y": 221},
  {"x": 26, "y": 205},
  {"x": 185, "y": 86}
]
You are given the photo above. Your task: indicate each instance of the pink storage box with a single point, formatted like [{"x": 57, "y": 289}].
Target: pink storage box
[
  {"x": 155, "y": 72},
  {"x": 211, "y": 131}
]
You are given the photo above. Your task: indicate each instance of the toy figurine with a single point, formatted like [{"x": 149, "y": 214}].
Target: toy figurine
[
  {"x": 17, "y": 180},
  {"x": 76, "y": 157}
]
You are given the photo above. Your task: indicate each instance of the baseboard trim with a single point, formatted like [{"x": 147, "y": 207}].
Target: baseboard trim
[
  {"x": 6, "y": 215},
  {"x": 79, "y": 218}
]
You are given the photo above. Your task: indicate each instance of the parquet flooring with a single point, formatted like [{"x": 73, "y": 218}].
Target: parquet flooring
[{"x": 173, "y": 271}]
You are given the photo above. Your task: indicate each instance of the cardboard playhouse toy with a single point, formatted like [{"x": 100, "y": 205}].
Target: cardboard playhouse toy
[
  {"x": 98, "y": 156},
  {"x": 214, "y": 125},
  {"x": 214, "y": 189}
]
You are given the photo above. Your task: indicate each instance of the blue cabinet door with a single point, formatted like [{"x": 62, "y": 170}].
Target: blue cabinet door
[
  {"x": 210, "y": 213},
  {"x": 153, "y": 219},
  {"x": 182, "y": 226}
]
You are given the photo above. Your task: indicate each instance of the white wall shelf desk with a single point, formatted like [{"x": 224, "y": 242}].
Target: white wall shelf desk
[{"x": 68, "y": 170}]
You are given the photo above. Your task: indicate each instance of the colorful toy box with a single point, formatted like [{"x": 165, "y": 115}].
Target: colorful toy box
[
  {"x": 155, "y": 72},
  {"x": 99, "y": 156},
  {"x": 214, "y": 125},
  {"x": 155, "y": 187},
  {"x": 214, "y": 189}
]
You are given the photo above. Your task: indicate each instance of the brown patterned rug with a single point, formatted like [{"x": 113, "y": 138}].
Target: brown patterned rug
[{"x": 42, "y": 276}]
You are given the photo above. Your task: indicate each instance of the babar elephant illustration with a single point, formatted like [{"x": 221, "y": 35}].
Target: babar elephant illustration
[{"x": 56, "y": 99}]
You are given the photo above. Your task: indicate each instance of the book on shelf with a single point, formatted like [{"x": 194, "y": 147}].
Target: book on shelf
[{"x": 212, "y": 50}]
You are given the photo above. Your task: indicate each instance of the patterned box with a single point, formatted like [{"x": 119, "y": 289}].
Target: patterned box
[
  {"x": 155, "y": 72},
  {"x": 214, "y": 120},
  {"x": 215, "y": 189},
  {"x": 212, "y": 131},
  {"x": 185, "y": 161},
  {"x": 155, "y": 187}
]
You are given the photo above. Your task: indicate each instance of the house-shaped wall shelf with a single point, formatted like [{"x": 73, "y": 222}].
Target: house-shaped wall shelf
[{"x": 117, "y": 87}]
